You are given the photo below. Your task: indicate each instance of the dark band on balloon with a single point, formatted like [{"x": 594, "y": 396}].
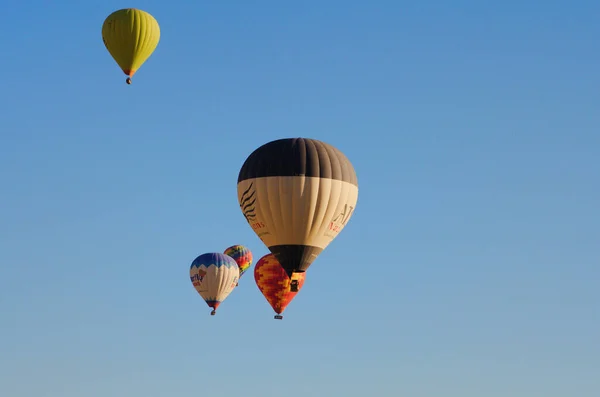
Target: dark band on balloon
[
  {"x": 298, "y": 157},
  {"x": 295, "y": 258}
]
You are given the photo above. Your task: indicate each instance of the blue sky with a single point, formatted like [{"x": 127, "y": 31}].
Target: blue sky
[{"x": 470, "y": 267}]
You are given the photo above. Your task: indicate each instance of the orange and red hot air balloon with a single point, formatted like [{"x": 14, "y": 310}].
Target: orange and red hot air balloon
[{"x": 275, "y": 284}]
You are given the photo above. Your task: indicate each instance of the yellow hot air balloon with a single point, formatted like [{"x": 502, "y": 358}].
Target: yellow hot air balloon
[{"x": 130, "y": 36}]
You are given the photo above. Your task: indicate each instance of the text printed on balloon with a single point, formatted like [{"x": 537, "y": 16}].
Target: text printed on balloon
[
  {"x": 257, "y": 225},
  {"x": 337, "y": 223}
]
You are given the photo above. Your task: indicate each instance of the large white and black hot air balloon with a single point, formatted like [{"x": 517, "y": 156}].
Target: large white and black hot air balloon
[{"x": 297, "y": 194}]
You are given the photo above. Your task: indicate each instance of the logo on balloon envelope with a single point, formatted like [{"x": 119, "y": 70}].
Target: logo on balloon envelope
[
  {"x": 339, "y": 221},
  {"x": 248, "y": 206},
  {"x": 198, "y": 277}
]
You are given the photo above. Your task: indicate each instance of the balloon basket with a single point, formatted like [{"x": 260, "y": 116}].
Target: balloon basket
[
  {"x": 278, "y": 317},
  {"x": 213, "y": 312},
  {"x": 294, "y": 286}
]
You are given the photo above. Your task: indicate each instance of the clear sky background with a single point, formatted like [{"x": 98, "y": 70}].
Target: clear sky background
[{"x": 470, "y": 268}]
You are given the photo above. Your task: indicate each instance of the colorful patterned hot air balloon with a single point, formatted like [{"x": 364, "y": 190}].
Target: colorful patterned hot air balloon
[
  {"x": 214, "y": 276},
  {"x": 241, "y": 255},
  {"x": 130, "y": 36},
  {"x": 274, "y": 283},
  {"x": 297, "y": 194}
]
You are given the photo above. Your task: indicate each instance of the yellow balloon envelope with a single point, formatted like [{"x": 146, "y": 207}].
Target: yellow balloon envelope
[{"x": 130, "y": 36}]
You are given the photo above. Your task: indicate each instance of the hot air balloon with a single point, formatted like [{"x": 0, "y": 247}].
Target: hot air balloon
[
  {"x": 274, "y": 283},
  {"x": 297, "y": 194},
  {"x": 130, "y": 36},
  {"x": 241, "y": 255},
  {"x": 214, "y": 276}
]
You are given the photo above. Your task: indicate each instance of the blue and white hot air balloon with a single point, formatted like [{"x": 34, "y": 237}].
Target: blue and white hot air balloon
[{"x": 214, "y": 276}]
